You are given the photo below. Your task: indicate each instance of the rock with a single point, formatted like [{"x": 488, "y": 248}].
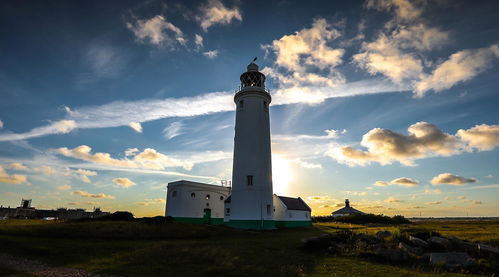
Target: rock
[
  {"x": 317, "y": 243},
  {"x": 451, "y": 260},
  {"x": 488, "y": 249},
  {"x": 416, "y": 251},
  {"x": 383, "y": 234},
  {"x": 337, "y": 248},
  {"x": 442, "y": 242},
  {"x": 391, "y": 255},
  {"x": 418, "y": 242}
]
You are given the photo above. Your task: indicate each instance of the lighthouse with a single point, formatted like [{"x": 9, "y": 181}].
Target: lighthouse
[{"x": 251, "y": 201}]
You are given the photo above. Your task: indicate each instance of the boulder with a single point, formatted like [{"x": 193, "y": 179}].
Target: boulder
[
  {"x": 418, "y": 242},
  {"x": 317, "y": 243},
  {"x": 416, "y": 251},
  {"x": 442, "y": 242},
  {"x": 391, "y": 255},
  {"x": 383, "y": 234},
  {"x": 367, "y": 238},
  {"x": 487, "y": 249},
  {"x": 451, "y": 259}
]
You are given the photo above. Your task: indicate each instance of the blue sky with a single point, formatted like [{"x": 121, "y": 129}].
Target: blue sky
[{"x": 390, "y": 103}]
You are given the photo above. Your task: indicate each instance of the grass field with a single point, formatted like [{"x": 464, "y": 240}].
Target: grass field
[{"x": 178, "y": 249}]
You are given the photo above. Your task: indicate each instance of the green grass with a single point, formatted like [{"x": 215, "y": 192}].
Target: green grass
[{"x": 179, "y": 249}]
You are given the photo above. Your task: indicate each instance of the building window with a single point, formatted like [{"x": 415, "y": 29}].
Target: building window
[
  {"x": 306, "y": 215},
  {"x": 207, "y": 204},
  {"x": 227, "y": 211},
  {"x": 174, "y": 193},
  {"x": 290, "y": 214},
  {"x": 221, "y": 198},
  {"x": 265, "y": 106},
  {"x": 193, "y": 195},
  {"x": 249, "y": 180},
  {"x": 268, "y": 209},
  {"x": 207, "y": 197},
  {"x": 241, "y": 104}
]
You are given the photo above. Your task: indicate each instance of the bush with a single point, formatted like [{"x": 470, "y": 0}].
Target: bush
[
  {"x": 363, "y": 219},
  {"x": 117, "y": 216}
]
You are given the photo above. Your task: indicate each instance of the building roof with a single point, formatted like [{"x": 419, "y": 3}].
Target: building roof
[
  {"x": 296, "y": 204},
  {"x": 347, "y": 209}
]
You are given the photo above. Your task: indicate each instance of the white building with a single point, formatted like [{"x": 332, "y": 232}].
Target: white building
[
  {"x": 194, "y": 202},
  {"x": 291, "y": 212},
  {"x": 252, "y": 204}
]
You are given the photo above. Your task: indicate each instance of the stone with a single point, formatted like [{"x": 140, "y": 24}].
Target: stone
[
  {"x": 367, "y": 238},
  {"x": 383, "y": 234},
  {"x": 488, "y": 249},
  {"x": 418, "y": 242},
  {"x": 451, "y": 259},
  {"x": 391, "y": 255},
  {"x": 442, "y": 242},
  {"x": 317, "y": 243},
  {"x": 416, "y": 251}
]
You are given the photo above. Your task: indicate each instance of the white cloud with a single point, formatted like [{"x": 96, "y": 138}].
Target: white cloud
[
  {"x": 18, "y": 166},
  {"x": 404, "y": 181},
  {"x": 124, "y": 182},
  {"x": 434, "y": 203},
  {"x": 64, "y": 187},
  {"x": 215, "y": 13},
  {"x": 482, "y": 137},
  {"x": 385, "y": 146},
  {"x": 404, "y": 9},
  {"x": 157, "y": 31},
  {"x": 211, "y": 54},
  {"x": 461, "y": 66},
  {"x": 198, "y": 41},
  {"x": 1, "y": 124},
  {"x": 424, "y": 140},
  {"x": 393, "y": 200},
  {"x": 435, "y": 191},
  {"x": 83, "y": 152},
  {"x": 136, "y": 126},
  {"x": 92, "y": 195},
  {"x": 14, "y": 179},
  {"x": 173, "y": 130},
  {"x": 131, "y": 151},
  {"x": 451, "y": 179},
  {"x": 148, "y": 202},
  {"x": 330, "y": 134}
]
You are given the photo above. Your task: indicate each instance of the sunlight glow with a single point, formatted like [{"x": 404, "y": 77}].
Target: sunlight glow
[{"x": 282, "y": 175}]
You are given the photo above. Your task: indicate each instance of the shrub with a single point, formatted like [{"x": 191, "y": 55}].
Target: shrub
[{"x": 363, "y": 219}]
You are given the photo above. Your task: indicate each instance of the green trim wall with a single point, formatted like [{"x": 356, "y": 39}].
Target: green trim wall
[
  {"x": 293, "y": 224},
  {"x": 252, "y": 224},
  {"x": 200, "y": 220}
]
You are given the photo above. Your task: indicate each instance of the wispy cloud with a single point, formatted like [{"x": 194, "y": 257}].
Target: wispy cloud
[
  {"x": 14, "y": 179},
  {"x": 173, "y": 130},
  {"x": 211, "y": 54},
  {"x": 123, "y": 182},
  {"x": 451, "y": 179},
  {"x": 92, "y": 195}
]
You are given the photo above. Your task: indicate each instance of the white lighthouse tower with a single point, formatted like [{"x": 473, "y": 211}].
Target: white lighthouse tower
[{"x": 251, "y": 203}]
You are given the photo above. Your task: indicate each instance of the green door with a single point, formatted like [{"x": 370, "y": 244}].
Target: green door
[{"x": 207, "y": 216}]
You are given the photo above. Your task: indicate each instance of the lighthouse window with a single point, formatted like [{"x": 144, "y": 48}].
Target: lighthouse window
[
  {"x": 265, "y": 105},
  {"x": 193, "y": 195},
  {"x": 249, "y": 179},
  {"x": 227, "y": 211},
  {"x": 221, "y": 198},
  {"x": 241, "y": 104},
  {"x": 174, "y": 193},
  {"x": 207, "y": 197}
]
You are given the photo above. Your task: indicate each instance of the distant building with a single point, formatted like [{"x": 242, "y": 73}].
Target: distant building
[
  {"x": 347, "y": 210},
  {"x": 25, "y": 211},
  {"x": 291, "y": 212}
]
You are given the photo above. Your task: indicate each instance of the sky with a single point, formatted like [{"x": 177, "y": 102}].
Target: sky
[{"x": 393, "y": 104}]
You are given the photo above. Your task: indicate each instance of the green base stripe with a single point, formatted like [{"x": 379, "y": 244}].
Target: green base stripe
[
  {"x": 200, "y": 220},
  {"x": 293, "y": 224},
  {"x": 252, "y": 224}
]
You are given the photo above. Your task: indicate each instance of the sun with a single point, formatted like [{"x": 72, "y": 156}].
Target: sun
[{"x": 282, "y": 175}]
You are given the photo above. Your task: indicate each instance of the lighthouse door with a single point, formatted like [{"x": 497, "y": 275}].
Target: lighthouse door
[{"x": 207, "y": 216}]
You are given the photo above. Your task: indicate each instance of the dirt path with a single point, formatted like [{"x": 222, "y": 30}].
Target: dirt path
[{"x": 41, "y": 269}]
